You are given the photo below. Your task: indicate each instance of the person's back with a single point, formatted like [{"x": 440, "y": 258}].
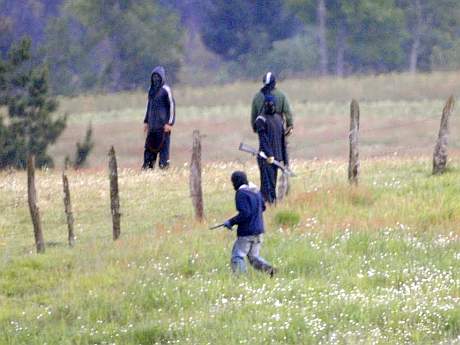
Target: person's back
[
  {"x": 249, "y": 219},
  {"x": 281, "y": 106},
  {"x": 250, "y": 204}
]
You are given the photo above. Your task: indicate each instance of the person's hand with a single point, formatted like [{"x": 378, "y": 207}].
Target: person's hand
[
  {"x": 168, "y": 128},
  {"x": 228, "y": 225},
  {"x": 146, "y": 128},
  {"x": 271, "y": 160},
  {"x": 288, "y": 131}
]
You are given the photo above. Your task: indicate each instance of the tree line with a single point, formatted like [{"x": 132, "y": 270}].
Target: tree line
[{"x": 113, "y": 44}]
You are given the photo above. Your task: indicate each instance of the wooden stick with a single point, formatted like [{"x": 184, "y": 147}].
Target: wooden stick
[
  {"x": 114, "y": 197},
  {"x": 34, "y": 210},
  {"x": 353, "y": 164},
  {"x": 440, "y": 149},
  {"x": 68, "y": 209},
  {"x": 196, "y": 191}
]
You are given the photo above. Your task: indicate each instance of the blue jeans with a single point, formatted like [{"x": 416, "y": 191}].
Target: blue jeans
[{"x": 248, "y": 246}]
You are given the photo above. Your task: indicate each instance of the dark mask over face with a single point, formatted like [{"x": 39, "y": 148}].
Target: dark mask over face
[
  {"x": 239, "y": 178},
  {"x": 156, "y": 81}
]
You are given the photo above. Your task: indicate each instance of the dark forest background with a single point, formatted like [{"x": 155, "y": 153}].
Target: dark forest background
[{"x": 111, "y": 45}]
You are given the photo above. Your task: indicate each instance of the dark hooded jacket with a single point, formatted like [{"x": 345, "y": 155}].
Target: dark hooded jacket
[
  {"x": 271, "y": 136},
  {"x": 161, "y": 109},
  {"x": 250, "y": 206}
]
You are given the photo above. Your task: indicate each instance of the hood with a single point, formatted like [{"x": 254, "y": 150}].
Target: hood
[
  {"x": 161, "y": 72},
  {"x": 250, "y": 186},
  {"x": 269, "y": 82},
  {"x": 239, "y": 179}
]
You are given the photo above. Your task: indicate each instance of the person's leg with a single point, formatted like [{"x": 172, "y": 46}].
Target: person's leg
[
  {"x": 265, "y": 183},
  {"x": 239, "y": 252},
  {"x": 274, "y": 179},
  {"x": 254, "y": 257},
  {"x": 164, "y": 153},
  {"x": 270, "y": 182},
  {"x": 149, "y": 159}
]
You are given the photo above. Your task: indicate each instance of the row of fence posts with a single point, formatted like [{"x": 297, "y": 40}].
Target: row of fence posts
[
  {"x": 196, "y": 190},
  {"x": 440, "y": 149}
]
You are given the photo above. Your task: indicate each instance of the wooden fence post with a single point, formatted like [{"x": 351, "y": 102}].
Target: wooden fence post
[
  {"x": 353, "y": 164},
  {"x": 34, "y": 210},
  {"x": 114, "y": 197},
  {"x": 196, "y": 191},
  {"x": 68, "y": 209},
  {"x": 283, "y": 186},
  {"x": 440, "y": 149}
]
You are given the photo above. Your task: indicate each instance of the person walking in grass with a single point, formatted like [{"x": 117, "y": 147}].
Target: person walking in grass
[
  {"x": 272, "y": 128},
  {"x": 159, "y": 120},
  {"x": 249, "y": 219}
]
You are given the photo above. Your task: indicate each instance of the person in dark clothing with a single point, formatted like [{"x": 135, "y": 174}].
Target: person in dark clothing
[
  {"x": 160, "y": 117},
  {"x": 269, "y": 126},
  {"x": 249, "y": 219},
  {"x": 281, "y": 103}
]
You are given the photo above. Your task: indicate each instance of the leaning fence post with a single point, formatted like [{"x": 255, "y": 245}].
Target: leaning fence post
[
  {"x": 114, "y": 197},
  {"x": 440, "y": 149},
  {"x": 353, "y": 164},
  {"x": 34, "y": 210},
  {"x": 68, "y": 209},
  {"x": 196, "y": 191}
]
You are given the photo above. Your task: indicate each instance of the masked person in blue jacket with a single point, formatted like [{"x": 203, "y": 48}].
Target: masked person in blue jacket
[
  {"x": 249, "y": 219},
  {"x": 159, "y": 120}
]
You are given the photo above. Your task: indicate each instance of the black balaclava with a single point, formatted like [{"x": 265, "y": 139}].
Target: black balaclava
[
  {"x": 269, "y": 83},
  {"x": 155, "y": 83},
  {"x": 239, "y": 178}
]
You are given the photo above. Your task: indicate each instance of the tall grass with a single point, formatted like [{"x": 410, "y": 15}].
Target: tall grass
[{"x": 377, "y": 264}]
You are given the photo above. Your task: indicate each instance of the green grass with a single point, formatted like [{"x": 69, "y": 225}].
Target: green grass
[{"x": 376, "y": 264}]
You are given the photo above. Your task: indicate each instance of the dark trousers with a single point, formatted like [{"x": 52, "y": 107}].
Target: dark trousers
[
  {"x": 151, "y": 157},
  {"x": 268, "y": 178}
]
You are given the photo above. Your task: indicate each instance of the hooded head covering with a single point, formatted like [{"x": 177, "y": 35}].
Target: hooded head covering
[
  {"x": 239, "y": 178},
  {"x": 157, "y": 80},
  {"x": 269, "y": 82}
]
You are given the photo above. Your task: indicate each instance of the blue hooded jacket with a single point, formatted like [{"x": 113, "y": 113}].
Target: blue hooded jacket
[
  {"x": 161, "y": 105},
  {"x": 250, "y": 206}
]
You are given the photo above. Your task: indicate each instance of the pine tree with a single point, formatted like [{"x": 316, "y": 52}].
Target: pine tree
[{"x": 29, "y": 125}]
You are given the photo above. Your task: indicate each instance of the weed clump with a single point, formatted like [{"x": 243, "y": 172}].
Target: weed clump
[{"x": 287, "y": 218}]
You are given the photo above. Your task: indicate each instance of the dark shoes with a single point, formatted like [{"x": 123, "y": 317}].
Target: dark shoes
[{"x": 272, "y": 271}]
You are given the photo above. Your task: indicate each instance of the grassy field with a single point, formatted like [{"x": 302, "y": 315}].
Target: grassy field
[
  {"x": 398, "y": 113},
  {"x": 377, "y": 264}
]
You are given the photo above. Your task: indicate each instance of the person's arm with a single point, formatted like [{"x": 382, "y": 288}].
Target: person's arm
[
  {"x": 243, "y": 207},
  {"x": 254, "y": 113},
  {"x": 287, "y": 114},
  {"x": 284, "y": 151},
  {"x": 256, "y": 110},
  {"x": 146, "y": 117},
  {"x": 171, "y": 105},
  {"x": 263, "y": 137}
]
